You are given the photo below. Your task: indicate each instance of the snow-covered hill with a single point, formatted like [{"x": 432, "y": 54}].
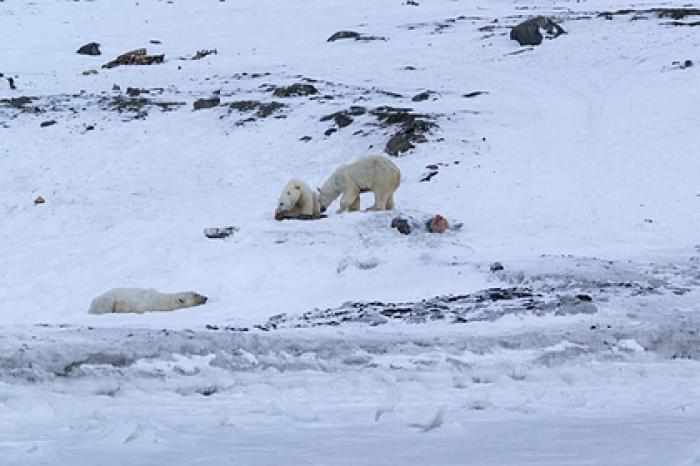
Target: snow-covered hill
[{"x": 573, "y": 164}]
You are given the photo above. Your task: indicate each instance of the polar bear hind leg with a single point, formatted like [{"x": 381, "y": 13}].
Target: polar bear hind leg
[
  {"x": 355, "y": 206},
  {"x": 380, "y": 199}
]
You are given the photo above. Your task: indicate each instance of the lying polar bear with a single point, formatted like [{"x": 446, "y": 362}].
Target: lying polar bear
[
  {"x": 297, "y": 200},
  {"x": 140, "y": 300},
  {"x": 371, "y": 173}
]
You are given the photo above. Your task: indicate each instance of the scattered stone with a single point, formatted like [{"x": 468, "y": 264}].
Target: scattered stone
[
  {"x": 352, "y": 35},
  {"x": 305, "y": 138},
  {"x": 673, "y": 13},
  {"x": 116, "y": 87},
  {"x": 295, "y": 90},
  {"x": 46, "y": 123},
  {"x": 93, "y": 48},
  {"x": 268, "y": 108},
  {"x": 39, "y": 200},
  {"x": 428, "y": 176},
  {"x": 529, "y": 32},
  {"x": 469, "y": 95},
  {"x": 155, "y": 42},
  {"x": 681, "y": 65},
  {"x": 412, "y": 3},
  {"x": 330, "y": 131},
  {"x": 12, "y": 84},
  {"x": 211, "y": 102},
  {"x": 438, "y": 224},
  {"x": 89, "y": 72},
  {"x": 203, "y": 53},
  {"x": 264, "y": 110},
  {"x": 422, "y": 96},
  {"x": 409, "y": 68},
  {"x": 89, "y": 127},
  {"x": 496, "y": 267},
  {"x": 398, "y": 144},
  {"x": 648, "y": 220},
  {"x": 135, "y": 57},
  {"x": 413, "y": 128},
  {"x": 402, "y": 225},
  {"x": 135, "y": 91},
  {"x": 343, "y": 118},
  {"x": 138, "y": 106},
  {"x": 220, "y": 233}
]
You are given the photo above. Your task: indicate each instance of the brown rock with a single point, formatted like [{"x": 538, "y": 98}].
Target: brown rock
[{"x": 39, "y": 200}]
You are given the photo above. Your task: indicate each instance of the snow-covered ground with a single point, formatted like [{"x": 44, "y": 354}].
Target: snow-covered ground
[{"x": 576, "y": 167}]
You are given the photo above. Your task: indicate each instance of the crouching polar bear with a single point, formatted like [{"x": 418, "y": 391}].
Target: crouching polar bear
[
  {"x": 371, "y": 173},
  {"x": 140, "y": 300},
  {"x": 297, "y": 200}
]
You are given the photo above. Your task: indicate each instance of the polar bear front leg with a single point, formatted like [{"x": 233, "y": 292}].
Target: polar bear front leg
[
  {"x": 349, "y": 197},
  {"x": 390, "y": 202},
  {"x": 355, "y": 206}
]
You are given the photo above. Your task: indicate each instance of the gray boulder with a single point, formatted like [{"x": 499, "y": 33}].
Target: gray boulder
[{"x": 530, "y": 32}]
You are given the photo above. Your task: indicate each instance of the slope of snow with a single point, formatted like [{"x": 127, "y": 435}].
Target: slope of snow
[{"x": 576, "y": 168}]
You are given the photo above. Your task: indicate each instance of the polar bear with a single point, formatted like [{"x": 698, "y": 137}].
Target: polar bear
[
  {"x": 371, "y": 173},
  {"x": 140, "y": 300},
  {"x": 297, "y": 200}
]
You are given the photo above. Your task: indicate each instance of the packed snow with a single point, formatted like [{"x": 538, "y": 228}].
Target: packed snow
[{"x": 554, "y": 323}]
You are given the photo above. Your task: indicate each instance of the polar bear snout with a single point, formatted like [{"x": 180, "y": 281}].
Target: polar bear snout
[{"x": 200, "y": 299}]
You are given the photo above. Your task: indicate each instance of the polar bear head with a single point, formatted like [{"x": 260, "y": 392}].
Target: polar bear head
[
  {"x": 288, "y": 199},
  {"x": 188, "y": 299}
]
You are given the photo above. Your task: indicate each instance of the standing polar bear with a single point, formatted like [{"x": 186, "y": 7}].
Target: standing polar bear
[
  {"x": 371, "y": 173},
  {"x": 297, "y": 200},
  {"x": 140, "y": 300}
]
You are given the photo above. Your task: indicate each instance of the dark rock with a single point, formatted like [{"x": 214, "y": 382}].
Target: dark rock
[
  {"x": 39, "y": 200},
  {"x": 330, "y": 131},
  {"x": 155, "y": 42},
  {"x": 46, "y": 123},
  {"x": 267, "y": 109},
  {"x": 528, "y": 32},
  {"x": 245, "y": 105},
  {"x": 11, "y": 82},
  {"x": 211, "y": 102},
  {"x": 203, "y": 53},
  {"x": 305, "y": 138},
  {"x": 220, "y": 233},
  {"x": 681, "y": 65},
  {"x": 496, "y": 267},
  {"x": 402, "y": 225},
  {"x": 135, "y": 91},
  {"x": 428, "y": 176},
  {"x": 342, "y": 120},
  {"x": 398, "y": 144},
  {"x": 115, "y": 87},
  {"x": 93, "y": 48},
  {"x": 352, "y": 35},
  {"x": 469, "y": 95},
  {"x": 343, "y": 35},
  {"x": 135, "y": 57},
  {"x": 295, "y": 90},
  {"x": 422, "y": 96}
]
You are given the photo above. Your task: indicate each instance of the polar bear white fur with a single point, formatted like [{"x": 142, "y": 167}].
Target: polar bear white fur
[
  {"x": 297, "y": 200},
  {"x": 371, "y": 173},
  {"x": 140, "y": 300}
]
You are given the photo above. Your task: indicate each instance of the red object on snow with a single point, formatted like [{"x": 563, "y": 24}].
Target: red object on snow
[{"x": 438, "y": 224}]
